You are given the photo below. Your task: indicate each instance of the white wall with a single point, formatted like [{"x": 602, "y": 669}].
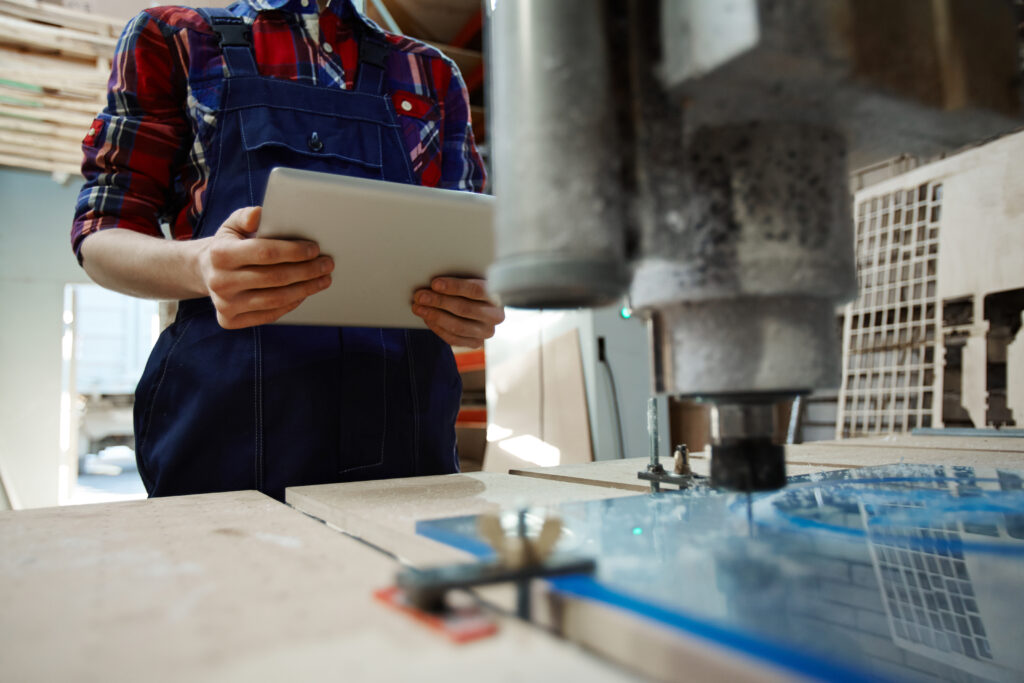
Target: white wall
[{"x": 35, "y": 264}]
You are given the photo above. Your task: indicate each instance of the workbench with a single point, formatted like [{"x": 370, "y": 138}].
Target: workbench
[
  {"x": 237, "y": 586},
  {"x": 228, "y": 587}
]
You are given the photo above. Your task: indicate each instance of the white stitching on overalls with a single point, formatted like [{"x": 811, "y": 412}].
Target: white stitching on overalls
[
  {"x": 248, "y": 157},
  {"x": 384, "y": 432},
  {"x": 160, "y": 382}
]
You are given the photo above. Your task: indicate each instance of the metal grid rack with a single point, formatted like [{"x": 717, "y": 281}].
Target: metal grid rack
[{"x": 890, "y": 331}]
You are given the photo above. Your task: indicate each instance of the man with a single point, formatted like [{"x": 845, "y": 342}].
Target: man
[{"x": 202, "y": 104}]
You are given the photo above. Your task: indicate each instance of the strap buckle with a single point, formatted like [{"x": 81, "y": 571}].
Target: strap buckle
[{"x": 232, "y": 31}]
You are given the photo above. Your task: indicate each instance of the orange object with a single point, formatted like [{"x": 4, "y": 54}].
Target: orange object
[
  {"x": 467, "y": 361},
  {"x": 471, "y": 415},
  {"x": 461, "y": 625}
]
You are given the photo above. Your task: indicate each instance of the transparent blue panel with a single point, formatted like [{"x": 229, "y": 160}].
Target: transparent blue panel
[{"x": 903, "y": 572}]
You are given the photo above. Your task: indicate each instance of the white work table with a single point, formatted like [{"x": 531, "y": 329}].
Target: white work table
[
  {"x": 229, "y": 587},
  {"x": 239, "y": 587},
  {"x": 809, "y": 458}
]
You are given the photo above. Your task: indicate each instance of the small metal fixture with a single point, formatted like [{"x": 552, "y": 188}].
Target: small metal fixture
[
  {"x": 682, "y": 476},
  {"x": 315, "y": 143}
]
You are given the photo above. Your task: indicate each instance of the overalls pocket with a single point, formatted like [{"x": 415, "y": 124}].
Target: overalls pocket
[
  {"x": 191, "y": 436},
  {"x": 374, "y": 369},
  {"x": 315, "y": 142}
]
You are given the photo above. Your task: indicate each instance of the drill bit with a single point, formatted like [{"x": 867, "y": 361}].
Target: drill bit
[{"x": 750, "y": 517}]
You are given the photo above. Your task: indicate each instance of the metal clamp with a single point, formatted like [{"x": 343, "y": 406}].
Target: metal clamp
[{"x": 682, "y": 476}]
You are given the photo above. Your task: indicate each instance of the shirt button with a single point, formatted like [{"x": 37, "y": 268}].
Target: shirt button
[
  {"x": 328, "y": 48},
  {"x": 406, "y": 105}
]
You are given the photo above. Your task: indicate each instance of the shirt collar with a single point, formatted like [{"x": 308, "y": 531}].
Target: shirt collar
[{"x": 343, "y": 8}]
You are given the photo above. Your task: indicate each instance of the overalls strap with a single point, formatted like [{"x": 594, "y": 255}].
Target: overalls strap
[
  {"x": 235, "y": 38},
  {"x": 373, "y": 55}
]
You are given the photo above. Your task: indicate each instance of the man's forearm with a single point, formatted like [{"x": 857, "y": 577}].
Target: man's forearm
[{"x": 144, "y": 266}]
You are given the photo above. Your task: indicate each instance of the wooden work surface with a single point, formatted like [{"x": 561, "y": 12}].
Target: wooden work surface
[
  {"x": 809, "y": 458},
  {"x": 384, "y": 513},
  {"x": 228, "y": 587},
  {"x": 622, "y": 473}
]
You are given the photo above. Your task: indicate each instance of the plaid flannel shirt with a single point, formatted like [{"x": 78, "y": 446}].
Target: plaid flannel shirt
[{"x": 145, "y": 155}]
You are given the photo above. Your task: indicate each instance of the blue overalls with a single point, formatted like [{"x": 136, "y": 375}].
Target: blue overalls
[{"x": 275, "y": 406}]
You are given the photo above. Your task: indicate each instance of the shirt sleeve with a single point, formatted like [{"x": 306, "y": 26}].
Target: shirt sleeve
[
  {"x": 131, "y": 147},
  {"x": 461, "y": 165}
]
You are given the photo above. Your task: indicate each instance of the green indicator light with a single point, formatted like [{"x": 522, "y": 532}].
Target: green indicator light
[
  {"x": 626, "y": 312},
  {"x": 637, "y": 531}
]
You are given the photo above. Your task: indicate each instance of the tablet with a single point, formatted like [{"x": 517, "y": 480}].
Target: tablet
[{"x": 387, "y": 241}]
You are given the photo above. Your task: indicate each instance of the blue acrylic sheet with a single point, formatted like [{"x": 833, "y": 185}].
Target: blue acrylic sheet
[{"x": 902, "y": 572}]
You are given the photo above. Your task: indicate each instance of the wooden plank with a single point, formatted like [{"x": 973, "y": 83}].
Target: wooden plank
[
  {"x": 38, "y": 127},
  {"x": 470, "y": 30},
  {"x": 63, "y": 84},
  {"x": 41, "y": 114},
  {"x": 467, "y": 60},
  {"x": 433, "y": 19},
  {"x": 410, "y": 25},
  {"x": 52, "y": 39},
  {"x": 385, "y": 513},
  {"x": 62, "y": 16},
  {"x": 622, "y": 473},
  {"x": 551, "y": 382},
  {"x": 231, "y": 587},
  {"x": 72, "y": 86},
  {"x": 54, "y": 155},
  {"x": 660, "y": 653},
  {"x": 16, "y": 58},
  {"x": 67, "y": 156},
  {"x": 948, "y": 443},
  {"x": 24, "y": 97},
  {"x": 40, "y": 165},
  {"x": 806, "y": 459},
  {"x": 845, "y": 456}
]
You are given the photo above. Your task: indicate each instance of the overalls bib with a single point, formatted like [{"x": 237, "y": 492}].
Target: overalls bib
[{"x": 275, "y": 406}]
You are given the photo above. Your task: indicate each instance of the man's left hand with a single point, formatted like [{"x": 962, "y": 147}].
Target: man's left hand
[{"x": 458, "y": 310}]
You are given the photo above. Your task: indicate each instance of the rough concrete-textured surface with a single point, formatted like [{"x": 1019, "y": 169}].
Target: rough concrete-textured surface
[{"x": 228, "y": 587}]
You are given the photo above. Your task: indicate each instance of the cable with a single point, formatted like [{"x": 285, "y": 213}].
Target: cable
[{"x": 602, "y": 358}]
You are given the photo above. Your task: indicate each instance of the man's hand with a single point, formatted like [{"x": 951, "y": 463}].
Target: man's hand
[
  {"x": 252, "y": 280},
  {"x": 458, "y": 311}
]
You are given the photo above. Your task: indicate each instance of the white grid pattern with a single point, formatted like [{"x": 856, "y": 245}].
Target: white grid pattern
[
  {"x": 891, "y": 330},
  {"x": 929, "y": 595}
]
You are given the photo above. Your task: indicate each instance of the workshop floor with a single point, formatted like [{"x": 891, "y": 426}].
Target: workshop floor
[
  {"x": 104, "y": 488},
  {"x": 107, "y": 478}
]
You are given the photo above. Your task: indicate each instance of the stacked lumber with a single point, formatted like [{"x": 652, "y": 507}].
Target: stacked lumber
[
  {"x": 55, "y": 62},
  {"x": 54, "y": 65}
]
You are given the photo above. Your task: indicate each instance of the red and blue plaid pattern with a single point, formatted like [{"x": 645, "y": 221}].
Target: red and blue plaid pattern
[{"x": 145, "y": 156}]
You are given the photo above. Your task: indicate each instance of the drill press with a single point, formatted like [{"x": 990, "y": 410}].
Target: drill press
[{"x": 694, "y": 154}]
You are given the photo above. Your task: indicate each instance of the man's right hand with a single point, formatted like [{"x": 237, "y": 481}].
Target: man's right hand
[{"x": 253, "y": 280}]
